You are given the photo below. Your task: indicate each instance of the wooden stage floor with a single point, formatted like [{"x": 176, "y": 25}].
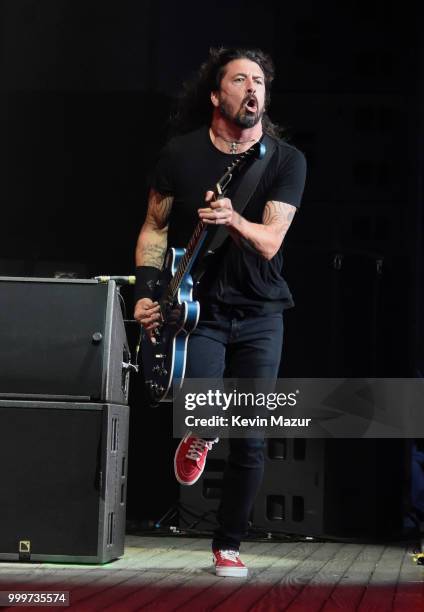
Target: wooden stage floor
[{"x": 175, "y": 573}]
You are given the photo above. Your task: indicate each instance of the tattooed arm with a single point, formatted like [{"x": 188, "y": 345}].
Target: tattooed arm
[
  {"x": 264, "y": 238},
  {"x": 152, "y": 241},
  {"x": 150, "y": 251}
]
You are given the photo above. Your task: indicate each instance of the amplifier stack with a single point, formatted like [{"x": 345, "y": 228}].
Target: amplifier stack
[{"x": 63, "y": 420}]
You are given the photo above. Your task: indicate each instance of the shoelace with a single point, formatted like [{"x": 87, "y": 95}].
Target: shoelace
[
  {"x": 230, "y": 555},
  {"x": 198, "y": 447}
]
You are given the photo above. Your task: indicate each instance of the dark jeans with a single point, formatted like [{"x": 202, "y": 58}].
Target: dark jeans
[{"x": 228, "y": 343}]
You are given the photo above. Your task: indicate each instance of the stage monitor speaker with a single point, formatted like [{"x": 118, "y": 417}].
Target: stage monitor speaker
[
  {"x": 62, "y": 339},
  {"x": 337, "y": 487},
  {"x": 351, "y": 488},
  {"x": 63, "y": 475}
]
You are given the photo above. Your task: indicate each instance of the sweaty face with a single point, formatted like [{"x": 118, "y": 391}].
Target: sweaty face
[{"x": 241, "y": 97}]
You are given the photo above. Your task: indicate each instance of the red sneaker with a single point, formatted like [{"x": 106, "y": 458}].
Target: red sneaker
[
  {"x": 228, "y": 563},
  {"x": 190, "y": 458}
]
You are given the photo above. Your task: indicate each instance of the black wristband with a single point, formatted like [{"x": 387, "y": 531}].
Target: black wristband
[{"x": 145, "y": 280}]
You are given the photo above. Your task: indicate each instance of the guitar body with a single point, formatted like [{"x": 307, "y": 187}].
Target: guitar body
[{"x": 165, "y": 361}]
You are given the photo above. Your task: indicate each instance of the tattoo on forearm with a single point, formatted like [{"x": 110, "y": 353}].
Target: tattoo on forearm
[
  {"x": 153, "y": 238},
  {"x": 152, "y": 254}
]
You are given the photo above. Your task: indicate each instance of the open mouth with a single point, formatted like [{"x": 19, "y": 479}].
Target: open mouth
[{"x": 251, "y": 105}]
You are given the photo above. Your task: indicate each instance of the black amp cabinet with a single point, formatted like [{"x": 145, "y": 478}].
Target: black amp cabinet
[
  {"x": 63, "y": 478},
  {"x": 340, "y": 487},
  {"x": 64, "y": 368},
  {"x": 62, "y": 339}
]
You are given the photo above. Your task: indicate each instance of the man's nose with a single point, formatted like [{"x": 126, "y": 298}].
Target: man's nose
[{"x": 251, "y": 87}]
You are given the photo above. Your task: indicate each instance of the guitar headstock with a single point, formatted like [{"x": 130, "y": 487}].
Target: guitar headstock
[{"x": 257, "y": 151}]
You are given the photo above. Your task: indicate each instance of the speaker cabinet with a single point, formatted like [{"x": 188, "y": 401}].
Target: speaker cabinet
[
  {"x": 63, "y": 477},
  {"x": 346, "y": 487},
  {"x": 62, "y": 339}
]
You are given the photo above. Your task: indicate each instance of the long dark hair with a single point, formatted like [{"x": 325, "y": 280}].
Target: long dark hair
[{"x": 194, "y": 108}]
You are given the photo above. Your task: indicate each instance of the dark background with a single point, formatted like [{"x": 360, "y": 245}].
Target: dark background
[{"x": 86, "y": 91}]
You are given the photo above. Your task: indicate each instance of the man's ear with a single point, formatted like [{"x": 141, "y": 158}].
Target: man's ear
[{"x": 215, "y": 98}]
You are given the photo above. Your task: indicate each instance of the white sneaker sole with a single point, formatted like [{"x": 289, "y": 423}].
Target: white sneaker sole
[{"x": 232, "y": 572}]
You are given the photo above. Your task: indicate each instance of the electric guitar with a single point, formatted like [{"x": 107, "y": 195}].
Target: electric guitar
[{"x": 163, "y": 362}]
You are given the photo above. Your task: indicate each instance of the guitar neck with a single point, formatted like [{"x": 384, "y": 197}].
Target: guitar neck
[{"x": 189, "y": 258}]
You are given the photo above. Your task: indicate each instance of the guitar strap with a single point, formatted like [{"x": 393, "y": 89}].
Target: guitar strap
[{"x": 240, "y": 200}]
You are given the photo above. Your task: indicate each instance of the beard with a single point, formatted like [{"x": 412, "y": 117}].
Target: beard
[{"x": 242, "y": 118}]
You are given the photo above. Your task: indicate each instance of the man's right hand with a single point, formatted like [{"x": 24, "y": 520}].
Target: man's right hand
[{"x": 147, "y": 313}]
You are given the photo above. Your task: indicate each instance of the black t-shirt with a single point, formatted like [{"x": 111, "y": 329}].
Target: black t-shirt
[{"x": 188, "y": 166}]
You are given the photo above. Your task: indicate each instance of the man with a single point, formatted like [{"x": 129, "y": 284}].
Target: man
[{"x": 242, "y": 295}]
